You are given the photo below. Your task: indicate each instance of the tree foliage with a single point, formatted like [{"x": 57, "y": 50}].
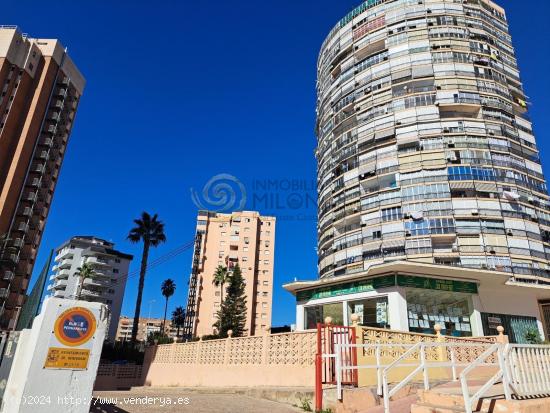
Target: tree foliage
[{"x": 232, "y": 313}]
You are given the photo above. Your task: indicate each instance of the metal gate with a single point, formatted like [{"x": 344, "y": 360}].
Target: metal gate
[{"x": 328, "y": 337}]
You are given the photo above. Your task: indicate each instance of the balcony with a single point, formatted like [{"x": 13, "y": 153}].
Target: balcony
[
  {"x": 100, "y": 262},
  {"x": 95, "y": 282}
]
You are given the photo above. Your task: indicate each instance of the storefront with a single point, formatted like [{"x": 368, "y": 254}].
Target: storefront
[
  {"x": 415, "y": 297},
  {"x": 397, "y": 302}
]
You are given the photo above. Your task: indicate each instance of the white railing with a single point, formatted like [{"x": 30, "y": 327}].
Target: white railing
[
  {"x": 523, "y": 370},
  {"x": 528, "y": 369},
  {"x": 415, "y": 357},
  {"x": 498, "y": 350}
]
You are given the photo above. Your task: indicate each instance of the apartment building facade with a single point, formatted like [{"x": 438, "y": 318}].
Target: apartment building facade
[
  {"x": 245, "y": 238},
  {"x": 40, "y": 92},
  {"x": 108, "y": 284},
  {"x": 433, "y": 206},
  {"x": 146, "y": 326}
]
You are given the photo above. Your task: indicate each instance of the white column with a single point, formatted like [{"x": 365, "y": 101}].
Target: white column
[
  {"x": 345, "y": 313},
  {"x": 475, "y": 321},
  {"x": 300, "y": 317},
  {"x": 397, "y": 310}
]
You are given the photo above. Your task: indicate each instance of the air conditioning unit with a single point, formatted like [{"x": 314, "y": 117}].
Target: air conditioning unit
[
  {"x": 8, "y": 275},
  {"x": 408, "y": 233},
  {"x": 531, "y": 200},
  {"x": 510, "y": 233},
  {"x": 475, "y": 211},
  {"x": 455, "y": 248}
]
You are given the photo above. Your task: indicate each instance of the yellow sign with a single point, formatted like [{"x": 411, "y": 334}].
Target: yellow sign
[{"x": 67, "y": 358}]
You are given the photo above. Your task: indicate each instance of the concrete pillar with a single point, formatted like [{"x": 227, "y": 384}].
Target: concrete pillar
[
  {"x": 58, "y": 358},
  {"x": 300, "y": 317},
  {"x": 475, "y": 318},
  {"x": 397, "y": 310}
]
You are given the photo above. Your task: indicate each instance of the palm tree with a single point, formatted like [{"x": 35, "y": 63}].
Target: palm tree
[
  {"x": 168, "y": 288},
  {"x": 221, "y": 276},
  {"x": 84, "y": 272},
  {"x": 151, "y": 231},
  {"x": 178, "y": 319}
]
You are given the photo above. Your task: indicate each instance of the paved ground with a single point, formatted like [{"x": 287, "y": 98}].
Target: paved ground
[{"x": 174, "y": 400}]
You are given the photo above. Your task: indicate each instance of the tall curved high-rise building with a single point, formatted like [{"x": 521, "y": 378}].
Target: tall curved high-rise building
[{"x": 428, "y": 172}]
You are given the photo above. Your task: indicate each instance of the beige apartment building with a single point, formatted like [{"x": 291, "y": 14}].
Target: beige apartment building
[
  {"x": 246, "y": 238},
  {"x": 40, "y": 91}
]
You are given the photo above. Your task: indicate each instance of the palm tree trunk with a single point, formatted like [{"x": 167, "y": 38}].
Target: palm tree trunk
[
  {"x": 143, "y": 270},
  {"x": 164, "y": 319},
  {"x": 79, "y": 289},
  {"x": 221, "y": 294}
]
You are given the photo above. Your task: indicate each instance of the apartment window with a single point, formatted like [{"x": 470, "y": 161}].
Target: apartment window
[
  {"x": 111, "y": 291},
  {"x": 391, "y": 214},
  {"x": 246, "y": 240},
  {"x": 217, "y": 293},
  {"x": 265, "y": 293},
  {"x": 220, "y": 254},
  {"x": 115, "y": 270},
  {"x": 247, "y": 230},
  {"x": 117, "y": 260},
  {"x": 266, "y": 262},
  {"x": 266, "y": 283},
  {"x": 223, "y": 233},
  {"x": 266, "y": 252},
  {"x": 109, "y": 301},
  {"x": 244, "y": 259},
  {"x": 247, "y": 220},
  {"x": 264, "y": 305},
  {"x": 245, "y": 249}
]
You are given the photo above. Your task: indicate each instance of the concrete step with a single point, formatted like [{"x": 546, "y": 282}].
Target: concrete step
[{"x": 432, "y": 408}]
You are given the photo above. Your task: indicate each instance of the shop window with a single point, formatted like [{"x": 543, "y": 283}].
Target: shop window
[
  {"x": 372, "y": 313},
  {"x": 451, "y": 310},
  {"x": 317, "y": 314}
]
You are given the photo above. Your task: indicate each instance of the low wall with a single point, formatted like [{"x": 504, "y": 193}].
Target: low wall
[
  {"x": 286, "y": 359},
  {"x": 464, "y": 355},
  {"x": 118, "y": 376}
]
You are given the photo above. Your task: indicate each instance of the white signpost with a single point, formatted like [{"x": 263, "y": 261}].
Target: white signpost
[{"x": 55, "y": 364}]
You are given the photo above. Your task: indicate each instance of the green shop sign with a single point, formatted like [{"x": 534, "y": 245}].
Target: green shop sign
[
  {"x": 437, "y": 284},
  {"x": 347, "y": 288},
  {"x": 387, "y": 281}
]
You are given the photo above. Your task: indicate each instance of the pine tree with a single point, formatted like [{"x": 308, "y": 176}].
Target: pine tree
[{"x": 232, "y": 313}]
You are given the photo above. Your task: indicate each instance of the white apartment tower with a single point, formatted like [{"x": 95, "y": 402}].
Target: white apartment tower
[{"x": 107, "y": 286}]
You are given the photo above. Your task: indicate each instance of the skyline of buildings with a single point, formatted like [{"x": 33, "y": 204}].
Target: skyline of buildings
[
  {"x": 460, "y": 184},
  {"x": 245, "y": 238},
  {"x": 427, "y": 170},
  {"x": 111, "y": 268},
  {"x": 41, "y": 88},
  {"x": 146, "y": 326}
]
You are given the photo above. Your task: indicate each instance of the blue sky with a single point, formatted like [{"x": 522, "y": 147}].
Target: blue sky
[{"x": 179, "y": 91}]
